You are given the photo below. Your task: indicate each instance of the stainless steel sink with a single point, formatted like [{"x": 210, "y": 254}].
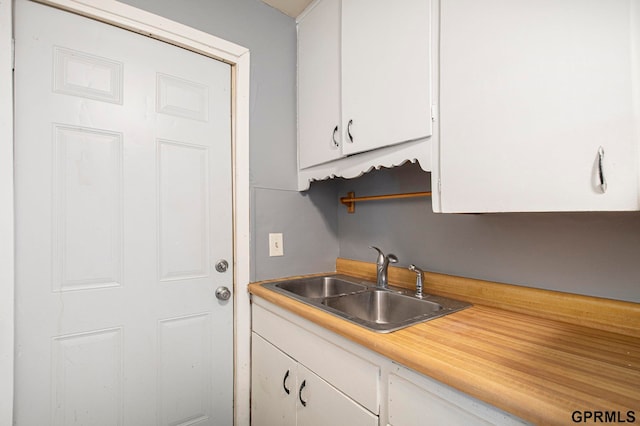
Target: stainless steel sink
[
  {"x": 382, "y": 306},
  {"x": 321, "y": 287},
  {"x": 362, "y": 303}
]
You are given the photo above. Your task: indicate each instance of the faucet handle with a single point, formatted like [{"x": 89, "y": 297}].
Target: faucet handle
[
  {"x": 384, "y": 259},
  {"x": 419, "y": 272},
  {"x": 415, "y": 269},
  {"x": 377, "y": 249},
  {"x": 381, "y": 257}
]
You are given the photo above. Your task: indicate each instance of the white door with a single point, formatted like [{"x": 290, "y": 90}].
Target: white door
[{"x": 123, "y": 205}]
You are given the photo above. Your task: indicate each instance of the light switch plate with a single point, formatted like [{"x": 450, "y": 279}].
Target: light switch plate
[{"x": 276, "y": 247}]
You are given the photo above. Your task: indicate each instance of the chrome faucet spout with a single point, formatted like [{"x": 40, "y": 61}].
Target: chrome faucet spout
[{"x": 382, "y": 266}]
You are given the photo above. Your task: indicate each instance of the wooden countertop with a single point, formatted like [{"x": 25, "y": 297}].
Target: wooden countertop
[{"x": 538, "y": 368}]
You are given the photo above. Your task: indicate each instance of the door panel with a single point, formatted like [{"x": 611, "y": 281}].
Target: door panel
[
  {"x": 182, "y": 181},
  {"x": 88, "y": 361},
  {"x": 123, "y": 200},
  {"x": 87, "y": 208},
  {"x": 185, "y": 354}
]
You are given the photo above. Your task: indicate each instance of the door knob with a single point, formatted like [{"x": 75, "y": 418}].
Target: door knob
[{"x": 223, "y": 293}]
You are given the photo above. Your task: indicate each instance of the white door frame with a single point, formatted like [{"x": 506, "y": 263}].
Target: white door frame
[{"x": 130, "y": 18}]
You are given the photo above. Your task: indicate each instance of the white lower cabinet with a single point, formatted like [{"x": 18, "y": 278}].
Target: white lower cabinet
[
  {"x": 298, "y": 378},
  {"x": 274, "y": 385},
  {"x": 416, "y": 400},
  {"x": 303, "y": 374},
  {"x": 321, "y": 404},
  {"x": 287, "y": 393}
]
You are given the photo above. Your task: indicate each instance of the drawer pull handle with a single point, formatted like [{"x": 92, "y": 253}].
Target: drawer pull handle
[
  {"x": 302, "y": 401},
  {"x": 284, "y": 382}
]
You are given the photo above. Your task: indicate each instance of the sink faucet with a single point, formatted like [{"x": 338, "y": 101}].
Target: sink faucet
[
  {"x": 382, "y": 265},
  {"x": 419, "y": 273}
]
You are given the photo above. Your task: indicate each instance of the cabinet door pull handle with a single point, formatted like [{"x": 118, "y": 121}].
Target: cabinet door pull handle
[
  {"x": 349, "y": 131},
  {"x": 333, "y": 137},
  {"x": 284, "y": 382},
  {"x": 302, "y": 401},
  {"x": 603, "y": 180}
]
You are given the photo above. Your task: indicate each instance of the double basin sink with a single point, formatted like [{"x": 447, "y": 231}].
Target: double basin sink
[{"x": 364, "y": 304}]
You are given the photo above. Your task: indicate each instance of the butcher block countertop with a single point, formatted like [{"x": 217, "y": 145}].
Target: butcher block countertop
[{"x": 538, "y": 354}]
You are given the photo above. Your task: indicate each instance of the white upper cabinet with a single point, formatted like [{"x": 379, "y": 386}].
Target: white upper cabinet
[
  {"x": 319, "y": 123},
  {"x": 386, "y": 96},
  {"x": 539, "y": 105},
  {"x": 364, "y": 86}
]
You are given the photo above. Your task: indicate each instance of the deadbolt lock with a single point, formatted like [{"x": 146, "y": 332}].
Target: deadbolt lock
[{"x": 222, "y": 265}]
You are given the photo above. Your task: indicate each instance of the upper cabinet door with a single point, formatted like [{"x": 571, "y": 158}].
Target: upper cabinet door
[
  {"x": 539, "y": 105},
  {"x": 386, "y": 64},
  {"x": 319, "y": 128}
]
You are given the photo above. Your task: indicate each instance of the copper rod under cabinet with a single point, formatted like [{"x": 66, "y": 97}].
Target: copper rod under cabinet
[{"x": 350, "y": 200}]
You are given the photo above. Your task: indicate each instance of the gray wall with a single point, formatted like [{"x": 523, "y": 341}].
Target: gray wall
[
  {"x": 310, "y": 225},
  {"x": 276, "y": 205},
  {"x": 596, "y": 254},
  {"x": 588, "y": 253}
]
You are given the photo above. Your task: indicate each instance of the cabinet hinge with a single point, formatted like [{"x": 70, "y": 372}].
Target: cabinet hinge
[
  {"x": 13, "y": 54},
  {"x": 434, "y": 112},
  {"x": 439, "y": 186}
]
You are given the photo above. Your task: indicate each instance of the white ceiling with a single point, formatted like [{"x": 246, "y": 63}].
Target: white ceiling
[{"x": 289, "y": 7}]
